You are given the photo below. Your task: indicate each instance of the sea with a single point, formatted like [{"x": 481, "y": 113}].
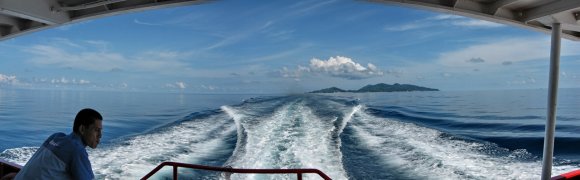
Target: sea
[{"x": 494, "y": 134}]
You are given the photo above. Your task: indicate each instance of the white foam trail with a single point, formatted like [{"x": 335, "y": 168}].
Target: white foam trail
[
  {"x": 292, "y": 137},
  {"x": 348, "y": 117},
  {"x": 187, "y": 142},
  {"x": 237, "y": 120},
  {"x": 423, "y": 152},
  {"x": 18, "y": 155}
]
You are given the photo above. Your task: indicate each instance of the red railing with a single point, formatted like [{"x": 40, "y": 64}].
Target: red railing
[
  {"x": 175, "y": 165},
  {"x": 566, "y": 176}
]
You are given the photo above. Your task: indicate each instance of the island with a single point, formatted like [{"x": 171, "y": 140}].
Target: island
[{"x": 381, "y": 87}]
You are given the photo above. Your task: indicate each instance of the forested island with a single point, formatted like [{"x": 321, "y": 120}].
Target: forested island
[{"x": 381, "y": 87}]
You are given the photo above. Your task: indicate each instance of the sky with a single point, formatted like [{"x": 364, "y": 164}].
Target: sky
[{"x": 283, "y": 47}]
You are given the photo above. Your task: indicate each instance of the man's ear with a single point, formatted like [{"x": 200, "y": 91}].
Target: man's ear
[{"x": 82, "y": 129}]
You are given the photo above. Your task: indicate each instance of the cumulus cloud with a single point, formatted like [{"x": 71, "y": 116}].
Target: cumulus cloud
[
  {"x": 339, "y": 66},
  {"x": 343, "y": 67}
]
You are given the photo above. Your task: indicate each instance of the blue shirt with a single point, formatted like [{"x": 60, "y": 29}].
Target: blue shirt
[{"x": 61, "y": 156}]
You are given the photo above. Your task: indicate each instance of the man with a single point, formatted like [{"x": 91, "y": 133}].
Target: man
[{"x": 64, "y": 156}]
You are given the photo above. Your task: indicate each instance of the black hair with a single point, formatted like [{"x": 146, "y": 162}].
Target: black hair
[{"x": 86, "y": 117}]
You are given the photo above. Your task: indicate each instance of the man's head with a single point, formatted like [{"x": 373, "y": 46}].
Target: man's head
[{"x": 89, "y": 124}]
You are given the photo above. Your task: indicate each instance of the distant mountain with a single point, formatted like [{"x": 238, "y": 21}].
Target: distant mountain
[
  {"x": 381, "y": 87},
  {"x": 329, "y": 90}
]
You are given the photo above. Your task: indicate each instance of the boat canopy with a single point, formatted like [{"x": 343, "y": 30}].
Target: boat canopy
[
  {"x": 18, "y": 17},
  {"x": 532, "y": 14}
]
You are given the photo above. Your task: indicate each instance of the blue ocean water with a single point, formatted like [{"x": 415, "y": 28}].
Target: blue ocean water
[{"x": 406, "y": 135}]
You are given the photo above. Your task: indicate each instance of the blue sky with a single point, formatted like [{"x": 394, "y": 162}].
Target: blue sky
[{"x": 282, "y": 47}]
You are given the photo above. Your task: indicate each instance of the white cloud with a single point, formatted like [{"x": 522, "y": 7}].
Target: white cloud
[
  {"x": 505, "y": 52},
  {"x": 339, "y": 66},
  {"x": 527, "y": 81},
  {"x": 286, "y": 73},
  {"x": 136, "y": 21},
  {"x": 177, "y": 85},
  {"x": 181, "y": 85},
  {"x": 165, "y": 62},
  {"x": 476, "y": 23},
  {"x": 304, "y": 7},
  {"x": 63, "y": 81},
  {"x": 281, "y": 54},
  {"x": 444, "y": 20},
  {"x": 568, "y": 75},
  {"x": 209, "y": 87},
  {"x": 406, "y": 27},
  {"x": 344, "y": 67},
  {"x": 82, "y": 81},
  {"x": 445, "y": 17},
  {"x": 103, "y": 45},
  {"x": 9, "y": 80},
  {"x": 497, "y": 52},
  {"x": 464, "y": 21}
]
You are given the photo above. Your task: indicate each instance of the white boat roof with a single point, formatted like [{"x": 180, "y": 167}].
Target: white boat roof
[
  {"x": 19, "y": 17},
  {"x": 532, "y": 14}
]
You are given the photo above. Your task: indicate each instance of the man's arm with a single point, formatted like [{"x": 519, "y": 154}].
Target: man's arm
[{"x": 80, "y": 167}]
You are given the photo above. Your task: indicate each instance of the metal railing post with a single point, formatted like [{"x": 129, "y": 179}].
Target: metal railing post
[
  {"x": 552, "y": 102},
  {"x": 231, "y": 170},
  {"x": 174, "y": 172}
]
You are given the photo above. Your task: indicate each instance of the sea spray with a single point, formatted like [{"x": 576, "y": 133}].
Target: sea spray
[
  {"x": 432, "y": 154},
  {"x": 192, "y": 141}
]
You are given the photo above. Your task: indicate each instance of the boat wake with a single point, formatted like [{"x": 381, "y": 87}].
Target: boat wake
[
  {"x": 336, "y": 135},
  {"x": 292, "y": 136}
]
